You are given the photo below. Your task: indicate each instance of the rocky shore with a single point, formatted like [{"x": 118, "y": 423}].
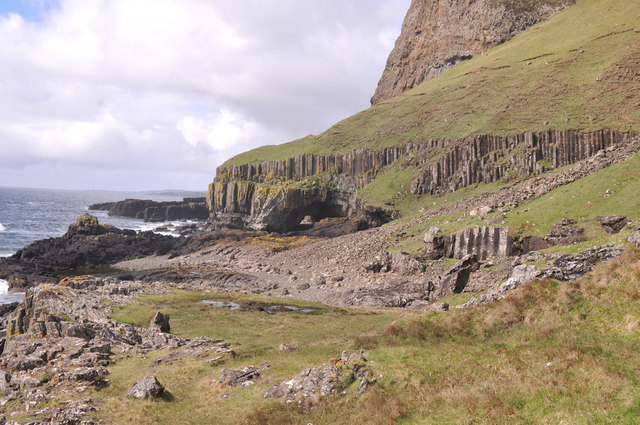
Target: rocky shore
[{"x": 187, "y": 209}]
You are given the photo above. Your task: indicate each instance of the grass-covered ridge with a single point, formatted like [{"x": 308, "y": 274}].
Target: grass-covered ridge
[{"x": 578, "y": 70}]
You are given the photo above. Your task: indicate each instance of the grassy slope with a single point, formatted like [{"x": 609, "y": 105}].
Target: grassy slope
[
  {"x": 550, "y": 353},
  {"x": 577, "y": 70},
  {"x": 582, "y": 201},
  {"x": 255, "y": 337}
]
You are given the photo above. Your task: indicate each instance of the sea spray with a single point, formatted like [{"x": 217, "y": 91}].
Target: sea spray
[
  {"x": 7, "y": 297},
  {"x": 2, "y": 228}
]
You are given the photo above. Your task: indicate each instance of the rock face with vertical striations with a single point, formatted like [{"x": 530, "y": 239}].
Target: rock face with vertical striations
[
  {"x": 439, "y": 34},
  {"x": 487, "y": 158},
  {"x": 485, "y": 242},
  {"x": 276, "y": 195}
]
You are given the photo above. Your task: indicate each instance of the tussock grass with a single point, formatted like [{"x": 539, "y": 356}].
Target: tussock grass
[{"x": 552, "y": 352}]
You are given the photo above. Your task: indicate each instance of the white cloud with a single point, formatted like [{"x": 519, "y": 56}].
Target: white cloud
[{"x": 160, "y": 92}]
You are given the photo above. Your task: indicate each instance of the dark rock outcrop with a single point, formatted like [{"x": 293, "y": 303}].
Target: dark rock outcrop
[
  {"x": 456, "y": 278},
  {"x": 437, "y": 35},
  {"x": 612, "y": 223},
  {"x": 88, "y": 243},
  {"x": 147, "y": 210},
  {"x": 565, "y": 232},
  {"x": 572, "y": 266}
]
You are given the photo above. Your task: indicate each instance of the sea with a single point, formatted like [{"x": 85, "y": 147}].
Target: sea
[{"x": 27, "y": 215}]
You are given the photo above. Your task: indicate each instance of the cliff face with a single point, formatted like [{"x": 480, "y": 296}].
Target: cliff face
[
  {"x": 277, "y": 195},
  {"x": 438, "y": 34},
  {"x": 280, "y": 205},
  {"x": 486, "y": 159}
]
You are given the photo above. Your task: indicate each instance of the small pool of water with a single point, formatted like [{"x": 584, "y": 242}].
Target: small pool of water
[
  {"x": 221, "y": 304},
  {"x": 269, "y": 308}
]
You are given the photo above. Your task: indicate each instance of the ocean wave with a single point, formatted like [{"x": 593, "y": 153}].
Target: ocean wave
[
  {"x": 2, "y": 228},
  {"x": 7, "y": 297}
]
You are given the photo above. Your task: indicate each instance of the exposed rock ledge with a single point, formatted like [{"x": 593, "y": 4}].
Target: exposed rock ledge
[{"x": 187, "y": 209}]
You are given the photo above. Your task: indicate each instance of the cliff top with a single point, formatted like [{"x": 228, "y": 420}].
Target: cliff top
[{"x": 577, "y": 70}]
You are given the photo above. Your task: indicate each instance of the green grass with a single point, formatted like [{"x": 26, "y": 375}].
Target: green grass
[
  {"x": 255, "y": 337},
  {"x": 550, "y": 353},
  {"x": 582, "y": 201},
  {"x": 577, "y": 70}
]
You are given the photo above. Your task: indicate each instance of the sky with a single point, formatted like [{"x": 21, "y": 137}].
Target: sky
[{"x": 155, "y": 94}]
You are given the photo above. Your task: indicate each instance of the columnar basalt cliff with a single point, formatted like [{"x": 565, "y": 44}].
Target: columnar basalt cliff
[
  {"x": 277, "y": 195},
  {"x": 486, "y": 159},
  {"x": 485, "y": 242},
  {"x": 439, "y": 34}
]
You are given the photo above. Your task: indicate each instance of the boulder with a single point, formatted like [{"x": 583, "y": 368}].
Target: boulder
[
  {"x": 519, "y": 276},
  {"x": 572, "y": 266},
  {"x": 456, "y": 278},
  {"x": 147, "y": 387},
  {"x": 533, "y": 243},
  {"x": 405, "y": 263},
  {"x": 160, "y": 321},
  {"x": 634, "y": 239},
  {"x": 565, "y": 232},
  {"x": 381, "y": 263},
  {"x": 325, "y": 381},
  {"x": 424, "y": 305},
  {"x": 434, "y": 243},
  {"x": 89, "y": 374},
  {"x": 5, "y": 383},
  {"x": 239, "y": 377},
  {"x": 287, "y": 347},
  {"x": 612, "y": 223}
]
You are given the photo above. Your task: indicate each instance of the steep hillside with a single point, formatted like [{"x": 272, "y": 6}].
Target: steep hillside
[
  {"x": 579, "y": 70},
  {"x": 553, "y": 95},
  {"x": 436, "y": 36}
]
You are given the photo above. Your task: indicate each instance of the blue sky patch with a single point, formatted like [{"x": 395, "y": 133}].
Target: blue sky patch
[{"x": 30, "y": 10}]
